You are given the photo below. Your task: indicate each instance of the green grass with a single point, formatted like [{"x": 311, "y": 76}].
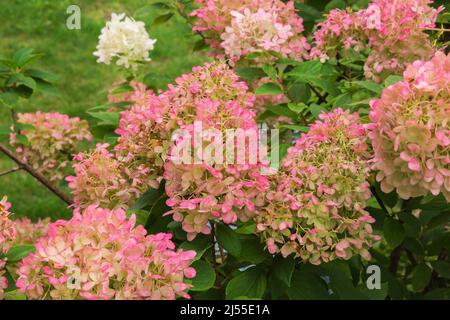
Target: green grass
[{"x": 41, "y": 24}]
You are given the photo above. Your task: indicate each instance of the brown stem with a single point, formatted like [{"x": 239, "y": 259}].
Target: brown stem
[
  {"x": 4, "y": 173},
  {"x": 317, "y": 93},
  {"x": 395, "y": 259},
  {"x": 36, "y": 175}
]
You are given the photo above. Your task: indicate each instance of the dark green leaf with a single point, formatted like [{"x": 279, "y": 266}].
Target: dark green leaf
[
  {"x": 394, "y": 232},
  {"x": 251, "y": 283},
  {"x": 205, "y": 276},
  {"x": 307, "y": 286},
  {"x": 228, "y": 239},
  {"x": 421, "y": 276},
  {"x": 200, "y": 244},
  {"x": 442, "y": 268},
  {"x": 250, "y": 74},
  {"x": 283, "y": 268}
]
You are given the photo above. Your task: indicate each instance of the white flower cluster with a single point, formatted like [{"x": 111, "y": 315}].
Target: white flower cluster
[{"x": 126, "y": 39}]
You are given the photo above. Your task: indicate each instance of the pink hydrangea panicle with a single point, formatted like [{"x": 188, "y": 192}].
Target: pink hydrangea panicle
[
  {"x": 7, "y": 226},
  {"x": 411, "y": 131},
  {"x": 395, "y": 32},
  {"x": 315, "y": 204},
  {"x": 145, "y": 135},
  {"x": 207, "y": 189},
  {"x": 100, "y": 254},
  {"x": 51, "y": 140},
  {"x": 100, "y": 178},
  {"x": 237, "y": 28},
  {"x": 337, "y": 34},
  {"x": 7, "y": 235},
  {"x": 27, "y": 232}
]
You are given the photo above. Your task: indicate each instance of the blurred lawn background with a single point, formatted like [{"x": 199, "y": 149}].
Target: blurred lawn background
[{"x": 82, "y": 84}]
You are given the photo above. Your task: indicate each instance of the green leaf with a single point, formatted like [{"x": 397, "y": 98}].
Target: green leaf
[
  {"x": 342, "y": 284},
  {"x": 376, "y": 294},
  {"x": 205, "y": 276},
  {"x": 228, "y": 239},
  {"x": 9, "y": 98},
  {"x": 162, "y": 18},
  {"x": 421, "y": 276},
  {"x": 438, "y": 294},
  {"x": 25, "y": 56},
  {"x": 295, "y": 127},
  {"x": 394, "y": 232},
  {"x": 392, "y": 79},
  {"x": 121, "y": 88},
  {"x": 335, "y": 4},
  {"x": 247, "y": 228},
  {"x": 19, "y": 252},
  {"x": 250, "y": 74},
  {"x": 370, "y": 85},
  {"x": 200, "y": 244},
  {"x": 253, "y": 251},
  {"x": 281, "y": 110},
  {"x": 19, "y": 79},
  {"x": 269, "y": 89},
  {"x": 307, "y": 286},
  {"x": 316, "y": 74},
  {"x": 148, "y": 198},
  {"x": 316, "y": 110},
  {"x": 200, "y": 45},
  {"x": 299, "y": 92},
  {"x": 107, "y": 118},
  {"x": 414, "y": 246},
  {"x": 442, "y": 268},
  {"x": 43, "y": 75},
  {"x": 283, "y": 268},
  {"x": 270, "y": 70},
  {"x": 251, "y": 283}
]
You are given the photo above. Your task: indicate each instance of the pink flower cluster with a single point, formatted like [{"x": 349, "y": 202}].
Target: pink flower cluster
[
  {"x": 27, "y": 232},
  {"x": 315, "y": 205},
  {"x": 237, "y": 28},
  {"x": 7, "y": 234},
  {"x": 52, "y": 139},
  {"x": 101, "y": 179},
  {"x": 100, "y": 254},
  {"x": 393, "y": 30},
  {"x": 145, "y": 135},
  {"x": 207, "y": 189},
  {"x": 411, "y": 131},
  {"x": 337, "y": 34}
]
